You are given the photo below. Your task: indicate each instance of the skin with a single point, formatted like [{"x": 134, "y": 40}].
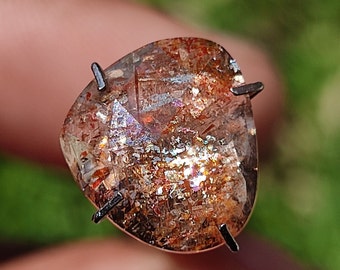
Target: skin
[{"x": 46, "y": 49}]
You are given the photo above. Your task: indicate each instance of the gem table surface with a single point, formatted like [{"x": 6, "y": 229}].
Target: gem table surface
[{"x": 168, "y": 135}]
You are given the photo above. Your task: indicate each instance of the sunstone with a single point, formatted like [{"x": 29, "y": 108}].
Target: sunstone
[{"x": 168, "y": 135}]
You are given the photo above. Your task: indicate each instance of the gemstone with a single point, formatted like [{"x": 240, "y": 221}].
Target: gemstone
[{"x": 172, "y": 140}]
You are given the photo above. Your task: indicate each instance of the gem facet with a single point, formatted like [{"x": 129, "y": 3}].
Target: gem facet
[{"x": 172, "y": 140}]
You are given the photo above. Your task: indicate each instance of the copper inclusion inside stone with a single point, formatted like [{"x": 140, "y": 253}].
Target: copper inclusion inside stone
[{"x": 167, "y": 134}]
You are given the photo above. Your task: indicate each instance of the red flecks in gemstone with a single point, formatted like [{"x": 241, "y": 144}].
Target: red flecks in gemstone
[
  {"x": 167, "y": 134},
  {"x": 88, "y": 96}
]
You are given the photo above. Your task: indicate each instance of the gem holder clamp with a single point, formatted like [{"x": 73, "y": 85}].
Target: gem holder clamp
[{"x": 251, "y": 89}]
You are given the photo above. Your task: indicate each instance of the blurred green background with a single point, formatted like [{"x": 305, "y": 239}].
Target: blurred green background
[{"x": 298, "y": 207}]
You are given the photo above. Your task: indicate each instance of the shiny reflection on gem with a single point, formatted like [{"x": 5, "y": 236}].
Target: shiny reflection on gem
[{"x": 168, "y": 135}]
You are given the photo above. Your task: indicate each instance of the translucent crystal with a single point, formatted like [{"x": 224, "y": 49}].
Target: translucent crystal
[{"x": 167, "y": 134}]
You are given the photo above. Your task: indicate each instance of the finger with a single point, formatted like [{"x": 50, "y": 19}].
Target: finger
[
  {"x": 129, "y": 255},
  {"x": 46, "y": 51}
]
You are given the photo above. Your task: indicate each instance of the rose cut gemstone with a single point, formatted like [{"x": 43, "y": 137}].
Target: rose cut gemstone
[{"x": 166, "y": 149}]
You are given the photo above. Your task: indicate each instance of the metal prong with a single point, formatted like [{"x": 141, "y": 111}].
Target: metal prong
[
  {"x": 102, "y": 212},
  {"x": 99, "y": 76},
  {"x": 252, "y": 89},
  {"x": 229, "y": 239}
]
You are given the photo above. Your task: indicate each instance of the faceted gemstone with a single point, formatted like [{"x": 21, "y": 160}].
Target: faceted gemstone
[{"x": 169, "y": 135}]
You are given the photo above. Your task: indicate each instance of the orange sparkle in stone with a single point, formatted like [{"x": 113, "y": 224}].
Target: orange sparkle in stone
[{"x": 170, "y": 137}]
